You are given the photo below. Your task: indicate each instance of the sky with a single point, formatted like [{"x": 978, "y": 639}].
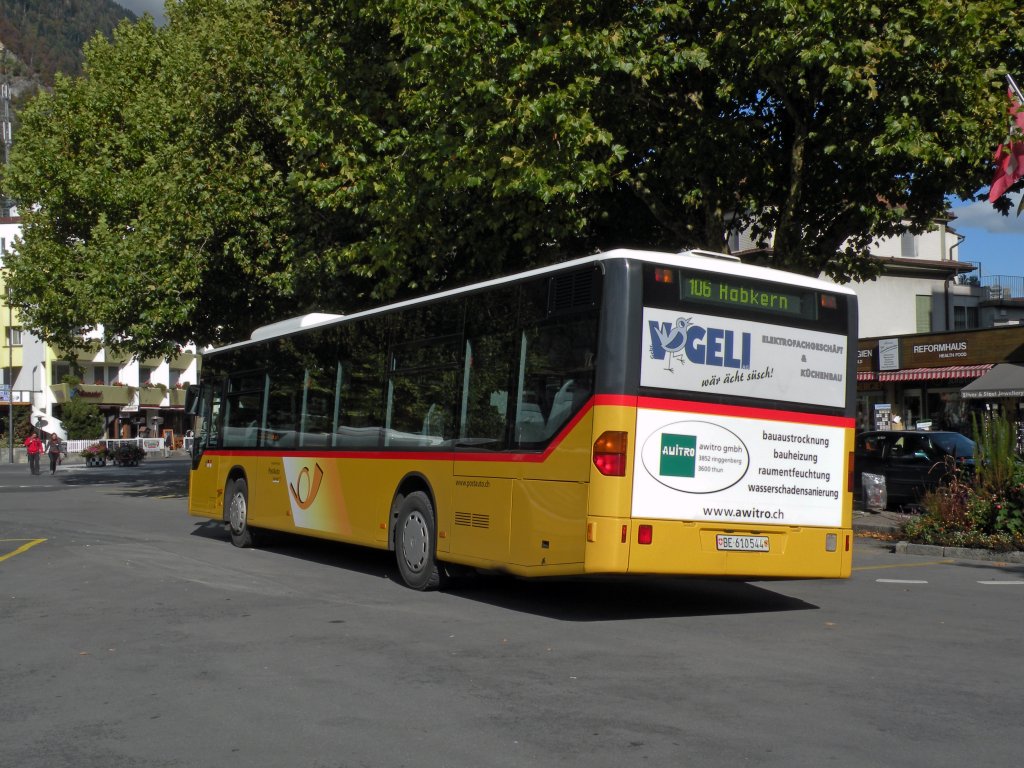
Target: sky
[{"x": 994, "y": 240}]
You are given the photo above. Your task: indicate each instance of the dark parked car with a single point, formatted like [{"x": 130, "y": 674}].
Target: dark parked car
[{"x": 911, "y": 462}]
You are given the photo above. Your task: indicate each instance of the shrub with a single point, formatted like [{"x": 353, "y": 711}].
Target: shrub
[{"x": 986, "y": 510}]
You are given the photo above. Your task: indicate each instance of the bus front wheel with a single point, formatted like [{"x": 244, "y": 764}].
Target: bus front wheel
[
  {"x": 238, "y": 515},
  {"x": 415, "y": 542}
]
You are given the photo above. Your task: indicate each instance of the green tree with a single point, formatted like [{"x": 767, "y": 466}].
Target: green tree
[
  {"x": 252, "y": 160},
  {"x": 82, "y": 420}
]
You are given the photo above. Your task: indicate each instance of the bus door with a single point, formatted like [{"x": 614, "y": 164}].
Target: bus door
[
  {"x": 483, "y": 474},
  {"x": 204, "y": 499}
]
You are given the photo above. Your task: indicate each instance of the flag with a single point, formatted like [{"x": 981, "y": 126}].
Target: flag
[{"x": 1009, "y": 157}]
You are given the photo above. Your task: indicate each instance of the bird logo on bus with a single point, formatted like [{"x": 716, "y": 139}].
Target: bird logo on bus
[
  {"x": 669, "y": 341},
  {"x": 685, "y": 341}
]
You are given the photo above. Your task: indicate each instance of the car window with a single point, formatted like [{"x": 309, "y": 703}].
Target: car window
[
  {"x": 955, "y": 444},
  {"x": 919, "y": 446},
  {"x": 916, "y": 446},
  {"x": 870, "y": 446}
]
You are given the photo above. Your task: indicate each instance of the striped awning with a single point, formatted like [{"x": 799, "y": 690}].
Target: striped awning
[
  {"x": 931, "y": 374},
  {"x": 867, "y": 376}
]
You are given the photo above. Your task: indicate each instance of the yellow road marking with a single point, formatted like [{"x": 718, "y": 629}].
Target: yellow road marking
[
  {"x": 24, "y": 547},
  {"x": 902, "y": 565}
]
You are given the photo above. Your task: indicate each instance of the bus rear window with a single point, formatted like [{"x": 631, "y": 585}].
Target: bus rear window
[{"x": 673, "y": 288}]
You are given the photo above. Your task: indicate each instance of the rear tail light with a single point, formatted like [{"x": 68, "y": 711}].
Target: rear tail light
[
  {"x": 610, "y": 453},
  {"x": 644, "y": 534}
]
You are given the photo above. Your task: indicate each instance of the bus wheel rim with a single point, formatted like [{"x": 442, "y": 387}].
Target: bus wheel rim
[
  {"x": 414, "y": 542},
  {"x": 236, "y": 514}
]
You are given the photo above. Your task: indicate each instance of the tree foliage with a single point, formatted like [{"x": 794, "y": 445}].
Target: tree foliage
[
  {"x": 81, "y": 419},
  {"x": 251, "y": 160}
]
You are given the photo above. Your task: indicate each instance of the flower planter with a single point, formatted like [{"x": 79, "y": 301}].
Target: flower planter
[
  {"x": 128, "y": 456},
  {"x": 96, "y": 461}
]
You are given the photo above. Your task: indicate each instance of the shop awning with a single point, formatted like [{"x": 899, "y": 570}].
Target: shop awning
[
  {"x": 1004, "y": 380},
  {"x": 867, "y": 376},
  {"x": 930, "y": 374}
]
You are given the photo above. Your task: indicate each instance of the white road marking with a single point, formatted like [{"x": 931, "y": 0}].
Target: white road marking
[
  {"x": 1001, "y": 582},
  {"x": 901, "y": 581}
]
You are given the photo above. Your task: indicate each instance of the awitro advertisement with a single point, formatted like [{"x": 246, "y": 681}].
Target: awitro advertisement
[{"x": 715, "y": 467}]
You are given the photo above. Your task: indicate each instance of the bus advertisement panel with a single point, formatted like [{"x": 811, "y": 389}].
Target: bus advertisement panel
[
  {"x": 737, "y": 465},
  {"x": 723, "y": 355},
  {"x": 733, "y": 464}
]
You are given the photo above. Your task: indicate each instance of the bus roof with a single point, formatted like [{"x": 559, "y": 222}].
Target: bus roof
[{"x": 707, "y": 261}]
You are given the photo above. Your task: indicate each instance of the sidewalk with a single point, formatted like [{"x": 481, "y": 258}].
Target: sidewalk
[{"x": 878, "y": 522}]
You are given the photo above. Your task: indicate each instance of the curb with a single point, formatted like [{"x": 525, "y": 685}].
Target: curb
[{"x": 958, "y": 553}]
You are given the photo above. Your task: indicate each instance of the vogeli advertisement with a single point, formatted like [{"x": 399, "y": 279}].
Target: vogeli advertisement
[
  {"x": 722, "y": 463},
  {"x": 706, "y": 353}
]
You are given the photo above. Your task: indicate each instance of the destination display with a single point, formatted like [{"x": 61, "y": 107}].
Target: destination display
[{"x": 713, "y": 289}]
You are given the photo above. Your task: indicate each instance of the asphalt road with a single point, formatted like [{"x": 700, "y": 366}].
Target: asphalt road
[{"x": 133, "y": 635}]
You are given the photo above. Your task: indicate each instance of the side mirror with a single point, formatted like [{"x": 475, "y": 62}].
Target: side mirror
[{"x": 192, "y": 399}]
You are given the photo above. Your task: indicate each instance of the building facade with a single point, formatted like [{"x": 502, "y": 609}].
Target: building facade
[{"x": 136, "y": 397}]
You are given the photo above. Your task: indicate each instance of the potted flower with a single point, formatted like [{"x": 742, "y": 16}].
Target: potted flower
[
  {"x": 95, "y": 455},
  {"x": 128, "y": 455}
]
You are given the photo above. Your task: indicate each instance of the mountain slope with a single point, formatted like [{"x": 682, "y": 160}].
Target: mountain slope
[{"x": 46, "y": 36}]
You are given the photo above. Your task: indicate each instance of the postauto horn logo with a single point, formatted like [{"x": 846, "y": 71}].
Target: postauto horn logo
[{"x": 686, "y": 341}]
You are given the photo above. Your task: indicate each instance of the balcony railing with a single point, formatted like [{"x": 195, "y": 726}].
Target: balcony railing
[{"x": 1002, "y": 287}]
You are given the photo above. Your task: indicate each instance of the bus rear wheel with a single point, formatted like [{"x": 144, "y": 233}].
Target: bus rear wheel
[
  {"x": 416, "y": 542},
  {"x": 237, "y": 514}
]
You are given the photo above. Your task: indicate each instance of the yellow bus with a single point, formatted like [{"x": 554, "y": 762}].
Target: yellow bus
[{"x": 630, "y": 412}]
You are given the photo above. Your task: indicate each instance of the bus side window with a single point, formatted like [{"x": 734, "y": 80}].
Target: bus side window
[
  {"x": 361, "y": 351},
  {"x": 556, "y": 376},
  {"x": 488, "y": 375},
  {"x": 284, "y": 393},
  {"x": 243, "y": 409},
  {"x": 422, "y": 368}
]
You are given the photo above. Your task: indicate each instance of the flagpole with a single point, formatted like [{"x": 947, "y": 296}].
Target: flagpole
[{"x": 1015, "y": 89}]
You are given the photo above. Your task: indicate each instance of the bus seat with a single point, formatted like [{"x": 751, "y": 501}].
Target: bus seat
[
  {"x": 529, "y": 424},
  {"x": 433, "y": 422}
]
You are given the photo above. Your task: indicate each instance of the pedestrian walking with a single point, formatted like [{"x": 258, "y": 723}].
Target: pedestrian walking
[
  {"x": 34, "y": 448},
  {"x": 54, "y": 451}
]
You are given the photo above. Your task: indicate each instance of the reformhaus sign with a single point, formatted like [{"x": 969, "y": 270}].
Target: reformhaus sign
[{"x": 933, "y": 350}]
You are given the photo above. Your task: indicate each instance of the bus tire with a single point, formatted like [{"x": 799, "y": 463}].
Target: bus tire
[
  {"x": 237, "y": 514},
  {"x": 416, "y": 543}
]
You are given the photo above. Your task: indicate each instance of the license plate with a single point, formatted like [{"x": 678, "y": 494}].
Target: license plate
[{"x": 742, "y": 543}]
